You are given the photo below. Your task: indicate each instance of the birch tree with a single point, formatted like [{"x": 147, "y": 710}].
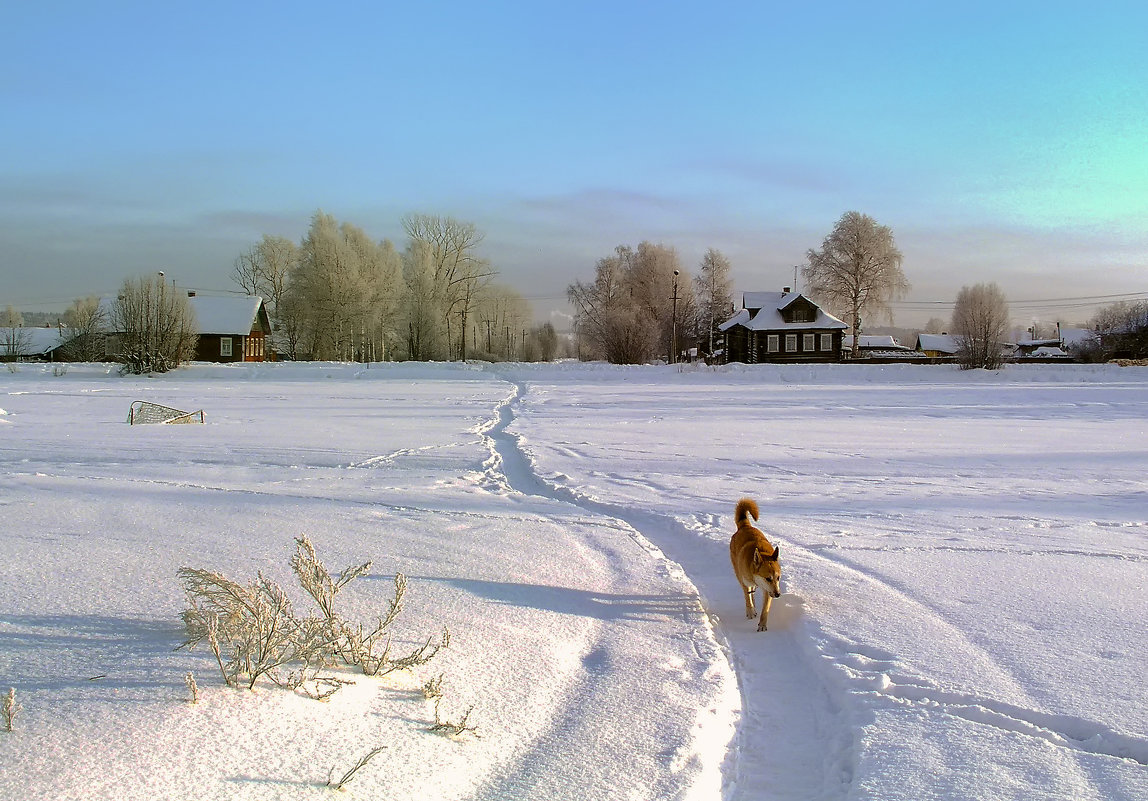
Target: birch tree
[
  {"x": 713, "y": 288},
  {"x": 857, "y": 271}
]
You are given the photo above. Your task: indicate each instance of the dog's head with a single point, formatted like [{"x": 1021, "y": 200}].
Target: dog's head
[{"x": 767, "y": 570}]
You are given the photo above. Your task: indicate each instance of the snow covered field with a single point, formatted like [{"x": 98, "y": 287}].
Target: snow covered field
[{"x": 965, "y": 563}]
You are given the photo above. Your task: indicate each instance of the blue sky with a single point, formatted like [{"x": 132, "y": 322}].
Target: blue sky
[{"x": 1001, "y": 142}]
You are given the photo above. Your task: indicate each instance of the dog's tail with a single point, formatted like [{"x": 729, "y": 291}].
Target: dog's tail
[{"x": 746, "y": 508}]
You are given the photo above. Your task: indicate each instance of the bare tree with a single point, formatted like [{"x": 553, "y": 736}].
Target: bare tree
[
  {"x": 857, "y": 270},
  {"x": 14, "y": 340},
  {"x": 264, "y": 269},
  {"x": 86, "y": 323},
  {"x": 458, "y": 273},
  {"x": 980, "y": 322},
  {"x": 155, "y": 324},
  {"x": 713, "y": 287}
]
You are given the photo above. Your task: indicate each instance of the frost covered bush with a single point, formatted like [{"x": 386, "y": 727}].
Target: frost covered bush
[{"x": 254, "y": 631}]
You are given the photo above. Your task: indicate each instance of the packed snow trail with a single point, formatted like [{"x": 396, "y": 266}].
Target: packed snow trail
[
  {"x": 792, "y": 741},
  {"x": 623, "y": 700}
]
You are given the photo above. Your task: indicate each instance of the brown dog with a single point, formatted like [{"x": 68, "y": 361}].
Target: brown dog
[{"x": 754, "y": 561}]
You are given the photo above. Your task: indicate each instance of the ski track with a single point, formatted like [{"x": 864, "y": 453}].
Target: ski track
[
  {"x": 815, "y": 757},
  {"x": 874, "y": 675}
]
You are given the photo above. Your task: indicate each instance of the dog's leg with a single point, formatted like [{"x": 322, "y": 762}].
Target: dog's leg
[
  {"x": 766, "y": 602},
  {"x": 750, "y": 611}
]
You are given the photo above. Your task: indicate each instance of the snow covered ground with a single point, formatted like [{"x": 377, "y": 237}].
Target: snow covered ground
[{"x": 965, "y": 563}]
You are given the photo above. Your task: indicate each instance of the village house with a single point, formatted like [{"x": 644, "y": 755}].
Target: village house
[
  {"x": 782, "y": 327},
  {"x": 231, "y": 329}
]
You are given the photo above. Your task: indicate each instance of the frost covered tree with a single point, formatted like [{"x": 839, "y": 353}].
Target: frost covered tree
[
  {"x": 857, "y": 271},
  {"x": 343, "y": 293},
  {"x": 713, "y": 288},
  {"x": 980, "y": 324},
  {"x": 155, "y": 325},
  {"x": 628, "y": 314}
]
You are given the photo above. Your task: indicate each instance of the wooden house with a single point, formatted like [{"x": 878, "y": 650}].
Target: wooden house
[
  {"x": 782, "y": 327},
  {"x": 231, "y": 329}
]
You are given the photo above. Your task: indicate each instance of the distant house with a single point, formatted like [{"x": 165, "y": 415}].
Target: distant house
[
  {"x": 781, "y": 327},
  {"x": 31, "y": 344},
  {"x": 877, "y": 346},
  {"x": 1066, "y": 339},
  {"x": 231, "y": 329},
  {"x": 937, "y": 345}
]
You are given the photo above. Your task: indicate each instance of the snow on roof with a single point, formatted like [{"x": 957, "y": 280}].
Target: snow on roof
[
  {"x": 230, "y": 316},
  {"x": 762, "y": 312},
  {"x": 882, "y": 341},
  {"x": 942, "y": 343},
  {"x": 31, "y": 341},
  {"x": 225, "y": 315}
]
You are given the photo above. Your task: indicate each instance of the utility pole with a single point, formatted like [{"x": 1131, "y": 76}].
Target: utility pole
[{"x": 674, "y": 324}]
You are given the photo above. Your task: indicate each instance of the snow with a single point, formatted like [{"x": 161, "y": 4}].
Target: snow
[{"x": 964, "y": 560}]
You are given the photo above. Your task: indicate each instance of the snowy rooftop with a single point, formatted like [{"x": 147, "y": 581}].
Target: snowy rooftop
[{"x": 762, "y": 312}]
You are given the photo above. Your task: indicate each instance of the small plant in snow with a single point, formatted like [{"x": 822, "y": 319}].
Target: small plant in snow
[
  {"x": 192, "y": 687},
  {"x": 432, "y": 689},
  {"x": 9, "y": 708},
  {"x": 453, "y": 728},
  {"x": 354, "y": 769},
  {"x": 253, "y": 631}
]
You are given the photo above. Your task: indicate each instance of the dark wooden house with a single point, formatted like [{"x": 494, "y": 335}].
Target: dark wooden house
[
  {"x": 782, "y": 327},
  {"x": 231, "y": 329}
]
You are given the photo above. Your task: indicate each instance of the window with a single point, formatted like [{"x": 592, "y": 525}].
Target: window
[
  {"x": 771, "y": 343},
  {"x": 799, "y": 316},
  {"x": 225, "y": 346},
  {"x": 827, "y": 341},
  {"x": 791, "y": 343},
  {"x": 808, "y": 342}
]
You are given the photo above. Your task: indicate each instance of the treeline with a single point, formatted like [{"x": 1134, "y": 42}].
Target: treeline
[{"x": 339, "y": 295}]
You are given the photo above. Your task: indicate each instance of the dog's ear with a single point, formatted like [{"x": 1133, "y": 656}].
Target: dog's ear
[
  {"x": 756, "y": 558},
  {"x": 773, "y": 556}
]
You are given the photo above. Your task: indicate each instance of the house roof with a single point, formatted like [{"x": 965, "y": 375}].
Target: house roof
[
  {"x": 33, "y": 341},
  {"x": 874, "y": 342},
  {"x": 230, "y": 316},
  {"x": 762, "y": 312},
  {"x": 941, "y": 343}
]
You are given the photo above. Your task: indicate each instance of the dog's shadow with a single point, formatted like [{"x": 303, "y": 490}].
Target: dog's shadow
[{"x": 582, "y": 603}]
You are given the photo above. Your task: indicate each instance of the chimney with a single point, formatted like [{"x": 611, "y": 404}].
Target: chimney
[{"x": 786, "y": 290}]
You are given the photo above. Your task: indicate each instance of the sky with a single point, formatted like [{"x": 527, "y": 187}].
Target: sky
[{"x": 1000, "y": 142}]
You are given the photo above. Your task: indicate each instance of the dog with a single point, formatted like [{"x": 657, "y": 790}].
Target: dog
[{"x": 755, "y": 562}]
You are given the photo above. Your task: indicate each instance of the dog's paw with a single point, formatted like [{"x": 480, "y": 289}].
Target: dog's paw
[
  {"x": 762, "y": 627},
  {"x": 750, "y": 614}
]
